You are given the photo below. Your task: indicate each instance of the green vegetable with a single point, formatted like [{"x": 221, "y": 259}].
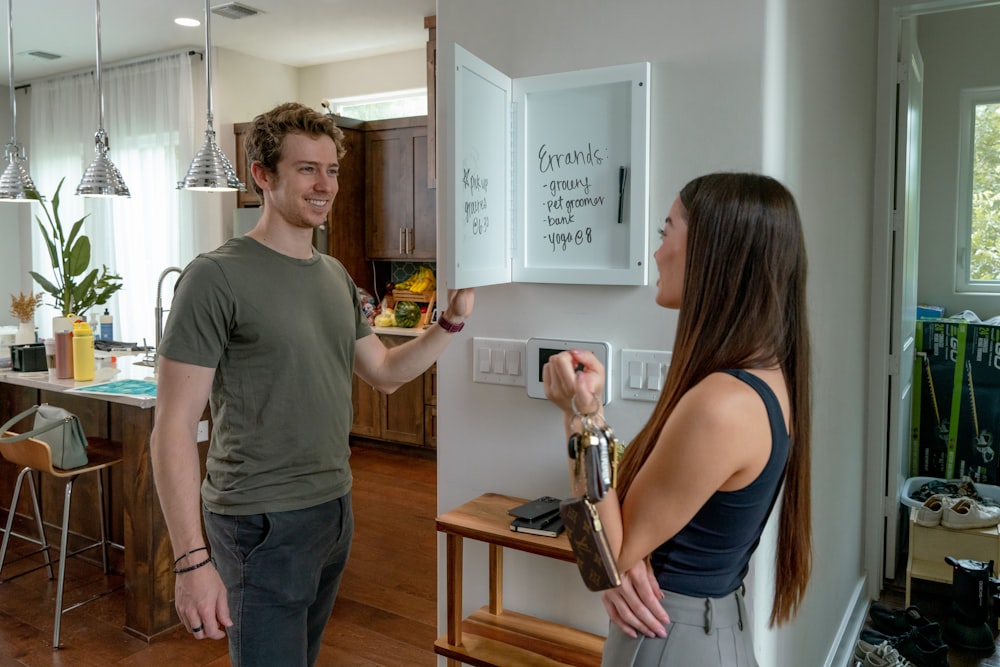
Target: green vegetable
[{"x": 407, "y": 314}]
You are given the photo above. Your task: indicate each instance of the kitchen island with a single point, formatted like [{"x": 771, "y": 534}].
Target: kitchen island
[{"x": 136, "y": 519}]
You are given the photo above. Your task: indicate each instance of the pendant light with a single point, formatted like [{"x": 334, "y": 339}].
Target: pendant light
[
  {"x": 102, "y": 178},
  {"x": 15, "y": 182},
  {"x": 210, "y": 169}
]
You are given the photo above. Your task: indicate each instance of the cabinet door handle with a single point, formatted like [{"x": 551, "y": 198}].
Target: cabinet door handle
[
  {"x": 410, "y": 245},
  {"x": 402, "y": 240}
]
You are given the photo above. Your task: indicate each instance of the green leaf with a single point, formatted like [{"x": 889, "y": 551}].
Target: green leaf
[
  {"x": 79, "y": 257},
  {"x": 44, "y": 282},
  {"x": 53, "y": 256}
]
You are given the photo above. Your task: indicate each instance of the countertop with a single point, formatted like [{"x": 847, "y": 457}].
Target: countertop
[
  {"x": 400, "y": 331},
  {"x": 125, "y": 368}
]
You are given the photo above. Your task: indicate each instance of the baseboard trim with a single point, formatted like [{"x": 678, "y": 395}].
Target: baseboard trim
[{"x": 842, "y": 648}]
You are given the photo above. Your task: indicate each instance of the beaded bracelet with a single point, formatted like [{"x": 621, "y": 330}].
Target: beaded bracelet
[
  {"x": 188, "y": 553},
  {"x": 203, "y": 563}
]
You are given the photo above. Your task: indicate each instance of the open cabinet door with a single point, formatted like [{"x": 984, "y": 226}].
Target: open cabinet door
[
  {"x": 476, "y": 217},
  {"x": 546, "y": 177},
  {"x": 902, "y": 325}
]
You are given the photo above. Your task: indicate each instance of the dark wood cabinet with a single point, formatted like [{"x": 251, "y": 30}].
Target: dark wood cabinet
[
  {"x": 401, "y": 210},
  {"x": 400, "y": 417},
  {"x": 248, "y": 198}
]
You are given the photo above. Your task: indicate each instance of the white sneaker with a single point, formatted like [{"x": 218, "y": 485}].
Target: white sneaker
[
  {"x": 883, "y": 655},
  {"x": 930, "y": 513},
  {"x": 967, "y": 513}
]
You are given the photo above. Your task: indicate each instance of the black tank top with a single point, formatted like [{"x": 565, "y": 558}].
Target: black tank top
[{"x": 710, "y": 556}]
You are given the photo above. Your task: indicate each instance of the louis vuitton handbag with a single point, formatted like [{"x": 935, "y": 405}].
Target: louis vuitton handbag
[
  {"x": 596, "y": 452},
  {"x": 59, "y": 428}
]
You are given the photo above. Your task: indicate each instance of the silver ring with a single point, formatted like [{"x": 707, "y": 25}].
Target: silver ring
[{"x": 198, "y": 629}]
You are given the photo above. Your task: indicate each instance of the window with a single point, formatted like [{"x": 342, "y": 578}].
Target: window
[
  {"x": 383, "y": 105},
  {"x": 979, "y": 191}
]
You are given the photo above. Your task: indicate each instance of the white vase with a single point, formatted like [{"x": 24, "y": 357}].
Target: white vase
[{"x": 25, "y": 333}]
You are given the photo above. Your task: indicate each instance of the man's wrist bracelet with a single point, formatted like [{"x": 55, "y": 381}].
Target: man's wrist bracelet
[
  {"x": 448, "y": 326},
  {"x": 188, "y": 553},
  {"x": 203, "y": 563}
]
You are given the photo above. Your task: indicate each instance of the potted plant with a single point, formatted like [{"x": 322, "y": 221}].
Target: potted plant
[
  {"x": 75, "y": 289},
  {"x": 23, "y": 308}
]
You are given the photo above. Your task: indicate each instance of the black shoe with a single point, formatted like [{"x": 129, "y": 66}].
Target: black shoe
[
  {"x": 897, "y": 621},
  {"x": 918, "y": 645}
]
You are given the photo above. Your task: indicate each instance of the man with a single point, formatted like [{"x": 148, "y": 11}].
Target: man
[{"x": 271, "y": 331}]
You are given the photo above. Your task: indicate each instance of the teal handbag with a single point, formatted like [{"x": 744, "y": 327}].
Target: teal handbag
[{"x": 59, "y": 428}]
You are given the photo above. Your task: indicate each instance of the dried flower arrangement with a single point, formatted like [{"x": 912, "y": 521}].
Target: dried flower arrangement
[{"x": 23, "y": 307}]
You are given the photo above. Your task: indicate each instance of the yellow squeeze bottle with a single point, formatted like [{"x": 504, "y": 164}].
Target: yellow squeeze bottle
[{"x": 83, "y": 352}]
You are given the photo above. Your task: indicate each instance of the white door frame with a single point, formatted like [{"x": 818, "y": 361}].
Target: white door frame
[{"x": 891, "y": 13}]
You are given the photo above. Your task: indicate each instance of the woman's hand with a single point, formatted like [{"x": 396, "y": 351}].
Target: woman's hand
[
  {"x": 574, "y": 374},
  {"x": 635, "y": 605}
]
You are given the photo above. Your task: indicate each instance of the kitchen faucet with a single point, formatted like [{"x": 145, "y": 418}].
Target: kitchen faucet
[{"x": 159, "y": 313}]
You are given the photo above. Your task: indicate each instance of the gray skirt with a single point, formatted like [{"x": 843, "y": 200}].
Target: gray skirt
[{"x": 703, "y": 632}]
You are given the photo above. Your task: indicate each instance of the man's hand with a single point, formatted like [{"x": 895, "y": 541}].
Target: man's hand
[{"x": 201, "y": 603}]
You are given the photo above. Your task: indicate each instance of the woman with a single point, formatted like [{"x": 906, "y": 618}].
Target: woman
[{"x": 698, "y": 482}]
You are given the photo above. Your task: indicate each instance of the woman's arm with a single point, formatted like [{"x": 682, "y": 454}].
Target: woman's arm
[{"x": 718, "y": 437}]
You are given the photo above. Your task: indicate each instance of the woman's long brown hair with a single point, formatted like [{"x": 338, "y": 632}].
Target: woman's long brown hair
[{"x": 743, "y": 306}]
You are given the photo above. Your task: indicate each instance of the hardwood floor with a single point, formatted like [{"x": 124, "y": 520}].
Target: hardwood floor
[
  {"x": 934, "y": 600},
  {"x": 386, "y": 612}
]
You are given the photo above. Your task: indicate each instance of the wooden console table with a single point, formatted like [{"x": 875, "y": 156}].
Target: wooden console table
[{"x": 493, "y": 636}]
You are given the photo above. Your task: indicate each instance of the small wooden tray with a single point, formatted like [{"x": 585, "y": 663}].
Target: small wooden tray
[
  {"x": 427, "y": 297},
  {"x": 419, "y": 297}
]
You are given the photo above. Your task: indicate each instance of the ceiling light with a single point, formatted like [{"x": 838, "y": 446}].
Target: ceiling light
[
  {"x": 102, "y": 178},
  {"x": 15, "y": 182},
  {"x": 187, "y": 23},
  {"x": 210, "y": 169}
]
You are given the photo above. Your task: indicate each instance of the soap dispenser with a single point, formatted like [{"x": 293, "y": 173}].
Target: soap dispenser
[{"x": 107, "y": 326}]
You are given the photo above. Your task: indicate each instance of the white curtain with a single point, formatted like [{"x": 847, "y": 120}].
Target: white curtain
[{"x": 150, "y": 120}]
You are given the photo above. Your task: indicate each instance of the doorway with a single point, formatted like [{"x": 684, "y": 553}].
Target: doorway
[{"x": 892, "y": 277}]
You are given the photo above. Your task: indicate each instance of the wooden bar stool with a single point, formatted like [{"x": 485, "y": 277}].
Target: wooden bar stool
[{"x": 36, "y": 455}]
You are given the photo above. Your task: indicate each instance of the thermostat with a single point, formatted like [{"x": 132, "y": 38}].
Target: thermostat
[{"x": 538, "y": 351}]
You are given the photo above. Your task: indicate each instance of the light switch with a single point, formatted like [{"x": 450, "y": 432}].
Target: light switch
[
  {"x": 513, "y": 362},
  {"x": 484, "y": 360},
  {"x": 499, "y": 358},
  {"x": 635, "y": 374},
  {"x": 654, "y": 376}
]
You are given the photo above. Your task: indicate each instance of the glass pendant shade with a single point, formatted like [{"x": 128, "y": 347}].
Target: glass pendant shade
[
  {"x": 210, "y": 169},
  {"x": 15, "y": 182},
  {"x": 102, "y": 178}
]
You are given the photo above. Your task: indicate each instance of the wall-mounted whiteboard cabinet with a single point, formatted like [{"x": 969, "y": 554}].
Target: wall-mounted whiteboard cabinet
[{"x": 549, "y": 175}]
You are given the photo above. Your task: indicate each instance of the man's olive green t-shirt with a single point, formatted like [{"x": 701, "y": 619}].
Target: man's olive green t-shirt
[{"x": 280, "y": 334}]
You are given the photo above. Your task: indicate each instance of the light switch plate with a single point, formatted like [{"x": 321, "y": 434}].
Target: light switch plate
[
  {"x": 644, "y": 373},
  {"x": 498, "y": 361}
]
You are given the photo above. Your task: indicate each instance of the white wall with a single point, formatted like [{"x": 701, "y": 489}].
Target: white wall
[
  {"x": 365, "y": 76},
  {"x": 960, "y": 51},
  {"x": 735, "y": 85}
]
